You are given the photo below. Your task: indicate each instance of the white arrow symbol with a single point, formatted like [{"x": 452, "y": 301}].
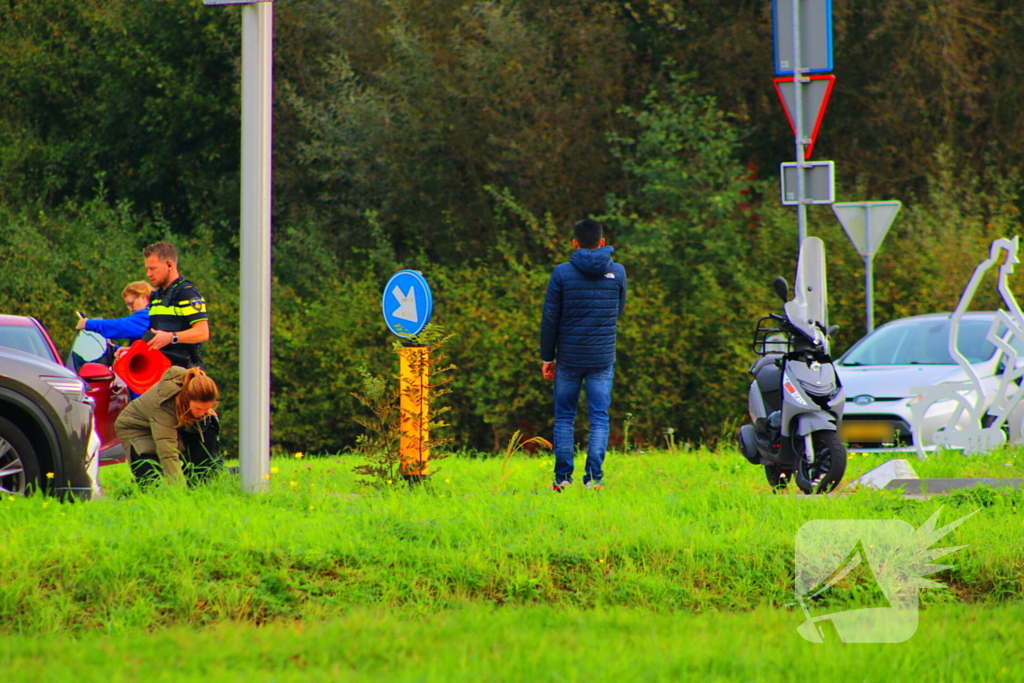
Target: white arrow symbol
[{"x": 406, "y": 304}]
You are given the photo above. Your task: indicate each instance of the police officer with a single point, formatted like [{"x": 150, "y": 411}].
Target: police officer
[{"x": 177, "y": 311}]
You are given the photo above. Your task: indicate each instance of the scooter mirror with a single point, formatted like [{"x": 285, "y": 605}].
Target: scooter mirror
[
  {"x": 832, "y": 330},
  {"x": 781, "y": 288}
]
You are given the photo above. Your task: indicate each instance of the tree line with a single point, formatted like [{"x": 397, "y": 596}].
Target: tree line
[{"x": 463, "y": 139}]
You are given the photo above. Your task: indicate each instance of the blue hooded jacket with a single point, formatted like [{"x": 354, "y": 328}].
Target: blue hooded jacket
[
  {"x": 584, "y": 300},
  {"x": 130, "y": 328}
]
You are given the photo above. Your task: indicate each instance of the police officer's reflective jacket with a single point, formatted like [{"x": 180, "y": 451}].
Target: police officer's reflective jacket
[{"x": 177, "y": 308}]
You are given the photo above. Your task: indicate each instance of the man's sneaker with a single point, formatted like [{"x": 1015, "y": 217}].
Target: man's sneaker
[
  {"x": 594, "y": 485},
  {"x": 559, "y": 485}
]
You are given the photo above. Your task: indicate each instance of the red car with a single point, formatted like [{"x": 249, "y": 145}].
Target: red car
[{"x": 91, "y": 358}]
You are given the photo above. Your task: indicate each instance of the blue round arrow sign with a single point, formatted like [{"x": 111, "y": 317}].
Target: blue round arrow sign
[{"x": 407, "y": 304}]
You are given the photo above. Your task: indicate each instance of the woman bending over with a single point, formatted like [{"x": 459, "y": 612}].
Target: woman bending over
[{"x": 173, "y": 429}]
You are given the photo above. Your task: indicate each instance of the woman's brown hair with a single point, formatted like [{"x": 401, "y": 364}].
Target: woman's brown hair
[{"x": 196, "y": 386}]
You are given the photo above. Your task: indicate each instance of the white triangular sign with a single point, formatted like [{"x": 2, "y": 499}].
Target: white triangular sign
[{"x": 866, "y": 223}]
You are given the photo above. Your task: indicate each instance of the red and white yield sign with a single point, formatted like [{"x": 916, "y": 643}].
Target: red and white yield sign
[{"x": 814, "y": 100}]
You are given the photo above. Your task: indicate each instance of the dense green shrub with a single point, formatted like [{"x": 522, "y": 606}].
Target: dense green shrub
[
  {"x": 320, "y": 347},
  {"x": 141, "y": 95},
  {"x": 683, "y": 353}
]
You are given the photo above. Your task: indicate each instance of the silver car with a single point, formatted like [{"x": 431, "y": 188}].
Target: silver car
[
  {"x": 880, "y": 370},
  {"x": 45, "y": 427}
]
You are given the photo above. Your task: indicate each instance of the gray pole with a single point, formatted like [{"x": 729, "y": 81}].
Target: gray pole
[
  {"x": 869, "y": 274},
  {"x": 798, "y": 123},
  {"x": 868, "y": 287},
  {"x": 254, "y": 330}
]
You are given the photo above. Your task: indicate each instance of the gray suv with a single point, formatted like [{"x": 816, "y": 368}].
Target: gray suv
[{"x": 45, "y": 426}]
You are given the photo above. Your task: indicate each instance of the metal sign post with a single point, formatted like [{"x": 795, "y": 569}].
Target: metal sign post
[
  {"x": 810, "y": 24},
  {"x": 407, "y": 306},
  {"x": 866, "y": 224},
  {"x": 254, "y": 327},
  {"x": 799, "y": 79}
]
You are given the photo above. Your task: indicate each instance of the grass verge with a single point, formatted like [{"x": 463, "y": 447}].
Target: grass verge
[{"x": 694, "y": 531}]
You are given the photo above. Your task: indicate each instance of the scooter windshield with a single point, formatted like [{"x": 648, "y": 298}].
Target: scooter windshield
[{"x": 808, "y": 310}]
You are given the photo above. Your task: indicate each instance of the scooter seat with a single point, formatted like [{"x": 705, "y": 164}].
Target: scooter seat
[{"x": 763, "y": 361}]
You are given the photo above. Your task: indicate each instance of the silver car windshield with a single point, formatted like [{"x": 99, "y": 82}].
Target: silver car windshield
[
  {"x": 923, "y": 342},
  {"x": 25, "y": 338}
]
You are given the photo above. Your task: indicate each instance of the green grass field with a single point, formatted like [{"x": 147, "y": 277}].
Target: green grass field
[
  {"x": 532, "y": 643},
  {"x": 681, "y": 569}
]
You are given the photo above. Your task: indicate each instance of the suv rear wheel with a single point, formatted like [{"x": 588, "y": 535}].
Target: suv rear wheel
[{"x": 19, "y": 469}]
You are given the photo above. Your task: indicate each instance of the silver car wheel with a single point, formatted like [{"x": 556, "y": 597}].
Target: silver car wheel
[
  {"x": 18, "y": 469},
  {"x": 12, "y": 471}
]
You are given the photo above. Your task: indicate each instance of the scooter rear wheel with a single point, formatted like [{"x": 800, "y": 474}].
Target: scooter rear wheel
[
  {"x": 827, "y": 466},
  {"x": 778, "y": 476}
]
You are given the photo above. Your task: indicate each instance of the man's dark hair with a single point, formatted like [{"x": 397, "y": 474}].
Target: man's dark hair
[
  {"x": 164, "y": 251},
  {"x": 588, "y": 233}
]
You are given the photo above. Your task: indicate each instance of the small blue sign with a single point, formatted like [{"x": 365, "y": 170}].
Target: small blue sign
[{"x": 407, "y": 304}]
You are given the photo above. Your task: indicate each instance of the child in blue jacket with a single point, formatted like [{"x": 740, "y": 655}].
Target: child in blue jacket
[{"x": 131, "y": 327}]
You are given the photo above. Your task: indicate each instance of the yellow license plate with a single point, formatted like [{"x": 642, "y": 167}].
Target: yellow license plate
[{"x": 867, "y": 431}]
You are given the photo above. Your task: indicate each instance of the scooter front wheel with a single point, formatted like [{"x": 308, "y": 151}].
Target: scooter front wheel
[{"x": 827, "y": 465}]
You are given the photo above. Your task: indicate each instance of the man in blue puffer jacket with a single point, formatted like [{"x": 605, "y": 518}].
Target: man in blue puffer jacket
[{"x": 584, "y": 300}]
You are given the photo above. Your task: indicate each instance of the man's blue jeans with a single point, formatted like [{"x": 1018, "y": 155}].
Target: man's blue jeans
[{"x": 598, "y": 385}]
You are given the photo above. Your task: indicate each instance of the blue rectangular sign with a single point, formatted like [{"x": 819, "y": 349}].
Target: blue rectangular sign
[{"x": 815, "y": 35}]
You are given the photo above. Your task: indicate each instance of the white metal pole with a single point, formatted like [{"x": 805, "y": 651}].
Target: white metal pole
[
  {"x": 254, "y": 329},
  {"x": 869, "y": 299},
  {"x": 798, "y": 121},
  {"x": 869, "y": 271}
]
